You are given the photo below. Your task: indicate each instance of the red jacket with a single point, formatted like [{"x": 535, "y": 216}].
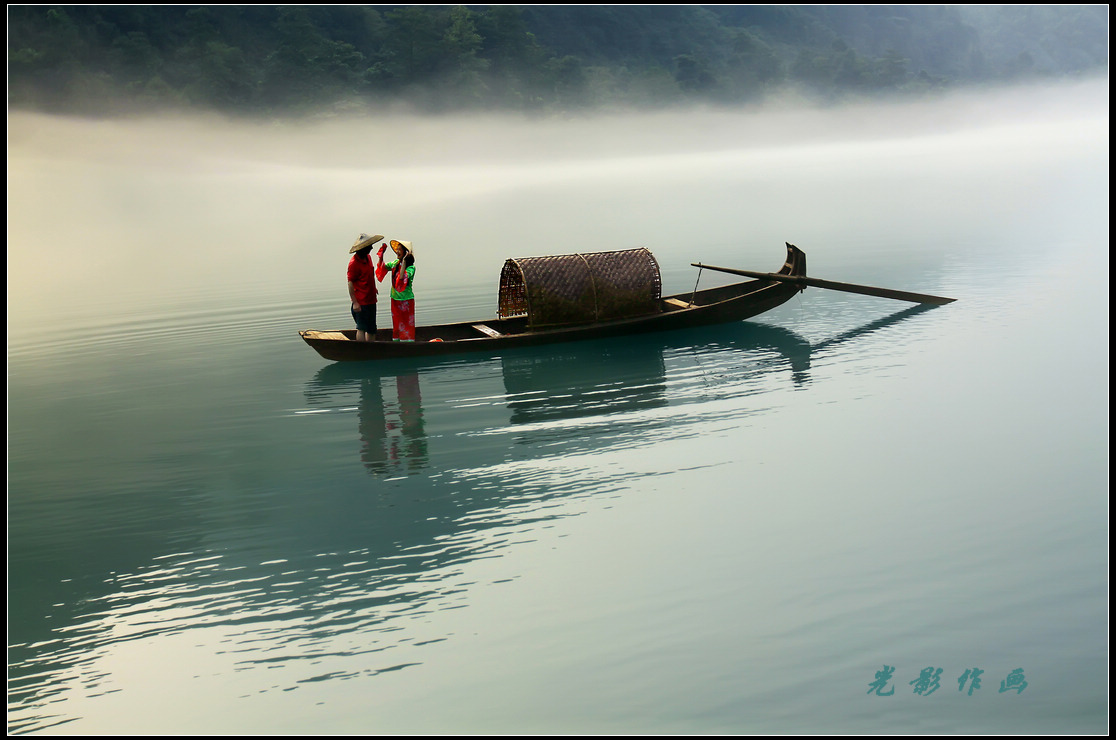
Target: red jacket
[{"x": 362, "y": 274}]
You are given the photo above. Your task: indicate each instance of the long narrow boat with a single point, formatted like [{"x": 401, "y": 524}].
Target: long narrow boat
[
  {"x": 590, "y": 296},
  {"x": 702, "y": 307}
]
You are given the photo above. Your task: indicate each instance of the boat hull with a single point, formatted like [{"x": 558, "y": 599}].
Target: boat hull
[{"x": 735, "y": 302}]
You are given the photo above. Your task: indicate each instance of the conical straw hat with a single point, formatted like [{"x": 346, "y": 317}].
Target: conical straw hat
[
  {"x": 396, "y": 246},
  {"x": 364, "y": 241}
]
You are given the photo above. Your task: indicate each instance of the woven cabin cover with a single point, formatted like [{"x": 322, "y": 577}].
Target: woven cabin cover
[{"x": 580, "y": 288}]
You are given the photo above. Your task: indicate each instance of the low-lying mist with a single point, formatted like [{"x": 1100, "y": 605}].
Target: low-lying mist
[{"x": 169, "y": 208}]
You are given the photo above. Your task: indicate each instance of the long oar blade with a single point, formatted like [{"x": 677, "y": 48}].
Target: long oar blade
[{"x": 899, "y": 295}]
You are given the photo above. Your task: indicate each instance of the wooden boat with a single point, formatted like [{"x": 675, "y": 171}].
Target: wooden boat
[{"x": 535, "y": 326}]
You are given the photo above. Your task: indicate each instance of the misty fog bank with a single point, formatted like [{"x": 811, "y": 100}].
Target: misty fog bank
[
  {"x": 200, "y": 142},
  {"x": 197, "y": 205}
]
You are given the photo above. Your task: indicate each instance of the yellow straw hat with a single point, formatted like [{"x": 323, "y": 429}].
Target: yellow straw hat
[
  {"x": 398, "y": 245},
  {"x": 364, "y": 241}
]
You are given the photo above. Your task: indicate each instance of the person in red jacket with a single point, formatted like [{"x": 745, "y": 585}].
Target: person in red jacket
[{"x": 362, "y": 286}]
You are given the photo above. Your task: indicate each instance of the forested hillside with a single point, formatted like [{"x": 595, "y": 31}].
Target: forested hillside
[{"x": 268, "y": 60}]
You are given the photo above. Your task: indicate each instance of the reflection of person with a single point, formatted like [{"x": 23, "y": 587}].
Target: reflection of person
[
  {"x": 362, "y": 286},
  {"x": 392, "y": 436},
  {"x": 402, "y": 294},
  {"x": 410, "y": 418},
  {"x": 371, "y": 423}
]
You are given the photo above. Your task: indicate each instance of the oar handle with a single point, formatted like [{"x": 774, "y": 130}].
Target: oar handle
[{"x": 899, "y": 295}]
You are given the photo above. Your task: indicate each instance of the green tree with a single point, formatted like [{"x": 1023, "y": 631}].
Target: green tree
[
  {"x": 461, "y": 61},
  {"x": 751, "y": 68},
  {"x": 306, "y": 67},
  {"x": 692, "y": 74},
  {"x": 416, "y": 45},
  {"x": 520, "y": 71},
  {"x": 891, "y": 70}
]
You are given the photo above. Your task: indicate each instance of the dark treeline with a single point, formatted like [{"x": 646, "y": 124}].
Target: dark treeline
[{"x": 257, "y": 59}]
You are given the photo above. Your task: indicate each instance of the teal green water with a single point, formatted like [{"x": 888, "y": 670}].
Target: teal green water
[{"x": 213, "y": 530}]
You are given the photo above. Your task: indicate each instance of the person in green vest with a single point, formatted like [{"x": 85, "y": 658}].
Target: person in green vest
[{"x": 402, "y": 270}]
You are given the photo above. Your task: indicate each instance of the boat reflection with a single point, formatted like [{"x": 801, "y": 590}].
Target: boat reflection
[
  {"x": 596, "y": 396},
  {"x": 580, "y": 382},
  {"x": 561, "y": 398}
]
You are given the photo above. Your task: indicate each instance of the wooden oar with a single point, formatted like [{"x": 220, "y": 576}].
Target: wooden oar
[{"x": 899, "y": 295}]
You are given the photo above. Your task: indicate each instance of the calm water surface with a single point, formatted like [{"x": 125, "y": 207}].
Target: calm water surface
[{"x": 814, "y": 522}]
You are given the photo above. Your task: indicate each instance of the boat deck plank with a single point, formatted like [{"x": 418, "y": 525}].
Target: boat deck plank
[{"x": 484, "y": 329}]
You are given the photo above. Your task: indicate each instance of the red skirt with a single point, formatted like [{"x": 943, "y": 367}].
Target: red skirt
[{"x": 403, "y": 320}]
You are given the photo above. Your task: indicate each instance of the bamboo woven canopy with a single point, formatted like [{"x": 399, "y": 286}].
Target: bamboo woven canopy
[{"x": 580, "y": 288}]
